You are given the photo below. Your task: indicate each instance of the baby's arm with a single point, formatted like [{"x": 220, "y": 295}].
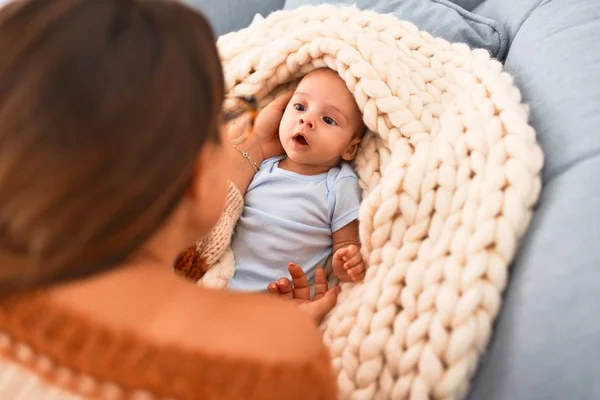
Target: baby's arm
[{"x": 348, "y": 264}]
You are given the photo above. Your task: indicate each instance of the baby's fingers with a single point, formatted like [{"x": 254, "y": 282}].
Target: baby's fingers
[
  {"x": 340, "y": 254},
  {"x": 352, "y": 250},
  {"x": 352, "y": 261},
  {"x": 357, "y": 273}
]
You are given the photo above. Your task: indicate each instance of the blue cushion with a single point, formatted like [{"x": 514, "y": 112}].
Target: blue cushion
[
  {"x": 232, "y": 15},
  {"x": 467, "y": 4},
  {"x": 510, "y": 13},
  {"x": 439, "y": 17},
  {"x": 547, "y": 340},
  {"x": 555, "y": 59},
  {"x": 546, "y": 343}
]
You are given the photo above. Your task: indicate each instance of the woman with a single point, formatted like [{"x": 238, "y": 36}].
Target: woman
[{"x": 112, "y": 160}]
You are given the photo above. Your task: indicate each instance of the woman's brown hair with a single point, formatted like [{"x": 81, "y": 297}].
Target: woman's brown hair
[{"x": 104, "y": 107}]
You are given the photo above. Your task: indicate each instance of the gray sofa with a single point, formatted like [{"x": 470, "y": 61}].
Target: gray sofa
[{"x": 546, "y": 343}]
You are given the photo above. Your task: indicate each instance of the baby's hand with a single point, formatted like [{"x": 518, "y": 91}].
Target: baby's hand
[{"x": 348, "y": 264}]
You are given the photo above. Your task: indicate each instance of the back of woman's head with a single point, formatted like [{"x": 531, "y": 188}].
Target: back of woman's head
[{"x": 104, "y": 107}]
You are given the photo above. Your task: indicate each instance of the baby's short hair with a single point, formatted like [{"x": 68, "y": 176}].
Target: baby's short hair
[{"x": 362, "y": 129}]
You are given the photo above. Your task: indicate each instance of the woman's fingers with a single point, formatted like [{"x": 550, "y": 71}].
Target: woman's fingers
[
  {"x": 236, "y": 128},
  {"x": 300, "y": 282},
  {"x": 324, "y": 299},
  {"x": 318, "y": 309},
  {"x": 286, "y": 290},
  {"x": 320, "y": 283},
  {"x": 273, "y": 289},
  {"x": 281, "y": 101}
]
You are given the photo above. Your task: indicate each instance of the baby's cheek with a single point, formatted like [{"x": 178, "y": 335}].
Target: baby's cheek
[{"x": 286, "y": 125}]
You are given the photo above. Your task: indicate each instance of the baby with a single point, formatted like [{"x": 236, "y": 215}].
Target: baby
[{"x": 304, "y": 205}]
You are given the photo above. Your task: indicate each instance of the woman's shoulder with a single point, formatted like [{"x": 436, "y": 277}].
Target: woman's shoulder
[
  {"x": 255, "y": 343},
  {"x": 258, "y": 347},
  {"x": 169, "y": 310},
  {"x": 196, "y": 341},
  {"x": 247, "y": 326}
]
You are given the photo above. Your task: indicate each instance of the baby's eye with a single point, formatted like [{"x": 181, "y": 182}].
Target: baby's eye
[
  {"x": 329, "y": 121},
  {"x": 299, "y": 107}
]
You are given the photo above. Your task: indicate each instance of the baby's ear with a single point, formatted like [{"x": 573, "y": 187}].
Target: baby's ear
[{"x": 351, "y": 150}]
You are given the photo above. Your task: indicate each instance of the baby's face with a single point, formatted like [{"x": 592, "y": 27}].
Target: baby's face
[{"x": 322, "y": 122}]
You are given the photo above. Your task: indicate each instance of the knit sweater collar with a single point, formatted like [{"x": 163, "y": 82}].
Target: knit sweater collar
[{"x": 74, "y": 352}]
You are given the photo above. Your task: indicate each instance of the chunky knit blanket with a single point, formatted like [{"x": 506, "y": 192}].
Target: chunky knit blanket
[{"x": 450, "y": 171}]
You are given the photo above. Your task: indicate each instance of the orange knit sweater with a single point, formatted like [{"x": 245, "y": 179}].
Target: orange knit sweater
[{"x": 49, "y": 351}]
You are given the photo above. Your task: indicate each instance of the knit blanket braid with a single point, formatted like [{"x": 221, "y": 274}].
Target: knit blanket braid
[{"x": 450, "y": 171}]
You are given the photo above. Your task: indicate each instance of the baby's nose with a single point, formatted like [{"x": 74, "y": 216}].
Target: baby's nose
[{"x": 306, "y": 121}]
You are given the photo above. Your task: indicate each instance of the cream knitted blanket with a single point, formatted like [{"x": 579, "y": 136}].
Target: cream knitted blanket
[{"x": 450, "y": 172}]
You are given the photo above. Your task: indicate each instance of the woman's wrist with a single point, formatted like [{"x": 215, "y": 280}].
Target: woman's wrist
[
  {"x": 247, "y": 160},
  {"x": 251, "y": 150}
]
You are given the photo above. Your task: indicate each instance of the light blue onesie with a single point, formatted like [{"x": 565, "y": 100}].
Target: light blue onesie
[{"x": 290, "y": 217}]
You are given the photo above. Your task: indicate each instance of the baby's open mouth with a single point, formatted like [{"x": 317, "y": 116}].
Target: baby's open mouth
[{"x": 300, "y": 139}]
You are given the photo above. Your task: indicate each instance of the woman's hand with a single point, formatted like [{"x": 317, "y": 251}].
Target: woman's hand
[
  {"x": 299, "y": 291},
  {"x": 266, "y": 126},
  {"x": 263, "y": 143}
]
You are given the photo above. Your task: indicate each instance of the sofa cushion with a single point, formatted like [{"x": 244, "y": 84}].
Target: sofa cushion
[
  {"x": 439, "y": 17},
  {"x": 546, "y": 344},
  {"x": 547, "y": 338},
  {"x": 232, "y": 15},
  {"x": 511, "y": 14},
  {"x": 468, "y": 4},
  {"x": 555, "y": 59}
]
